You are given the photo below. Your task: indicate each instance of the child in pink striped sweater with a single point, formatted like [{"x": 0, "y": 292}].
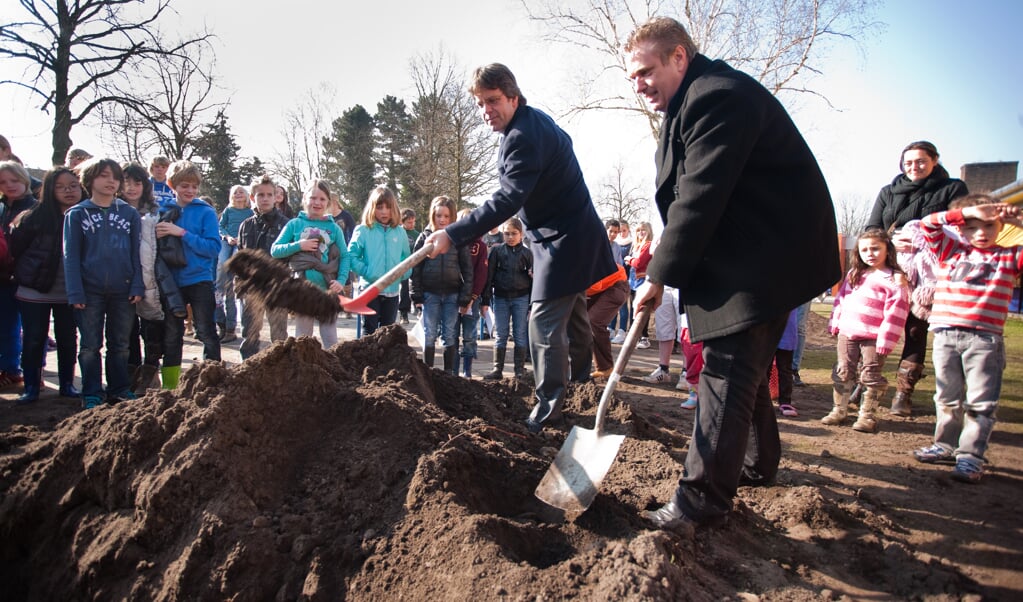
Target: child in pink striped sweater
[{"x": 868, "y": 318}]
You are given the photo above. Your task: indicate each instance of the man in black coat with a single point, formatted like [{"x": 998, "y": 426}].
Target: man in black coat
[
  {"x": 749, "y": 234},
  {"x": 541, "y": 182}
]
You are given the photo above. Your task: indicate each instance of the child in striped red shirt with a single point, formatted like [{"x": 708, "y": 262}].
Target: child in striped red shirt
[
  {"x": 971, "y": 301},
  {"x": 868, "y": 318}
]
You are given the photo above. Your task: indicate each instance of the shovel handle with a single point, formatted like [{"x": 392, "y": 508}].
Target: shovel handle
[
  {"x": 393, "y": 275},
  {"x": 623, "y": 360}
]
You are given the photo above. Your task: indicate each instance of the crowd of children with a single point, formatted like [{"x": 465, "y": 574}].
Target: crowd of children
[{"x": 162, "y": 252}]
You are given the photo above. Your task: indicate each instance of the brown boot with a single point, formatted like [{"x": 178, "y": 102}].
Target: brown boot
[
  {"x": 909, "y": 373},
  {"x": 841, "y": 408},
  {"x": 867, "y": 420}
]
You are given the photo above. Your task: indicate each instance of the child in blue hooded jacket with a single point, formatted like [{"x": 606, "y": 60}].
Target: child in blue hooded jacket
[
  {"x": 103, "y": 278},
  {"x": 197, "y": 226}
]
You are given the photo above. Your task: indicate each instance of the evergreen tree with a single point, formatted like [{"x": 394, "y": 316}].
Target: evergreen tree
[
  {"x": 250, "y": 171},
  {"x": 216, "y": 145},
  {"x": 348, "y": 156},
  {"x": 394, "y": 142}
]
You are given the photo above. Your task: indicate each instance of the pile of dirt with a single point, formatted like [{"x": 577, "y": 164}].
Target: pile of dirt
[{"x": 358, "y": 474}]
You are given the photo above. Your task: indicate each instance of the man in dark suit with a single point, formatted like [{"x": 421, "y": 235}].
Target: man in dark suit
[
  {"x": 540, "y": 181},
  {"x": 749, "y": 234}
]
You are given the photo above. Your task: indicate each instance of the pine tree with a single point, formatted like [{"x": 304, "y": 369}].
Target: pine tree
[
  {"x": 348, "y": 156},
  {"x": 216, "y": 145},
  {"x": 394, "y": 143}
]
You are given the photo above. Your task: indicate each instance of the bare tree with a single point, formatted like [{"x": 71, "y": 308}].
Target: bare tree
[
  {"x": 620, "y": 198},
  {"x": 174, "y": 98},
  {"x": 305, "y": 126},
  {"x": 78, "y": 55},
  {"x": 780, "y": 42},
  {"x": 453, "y": 151},
  {"x": 851, "y": 214}
]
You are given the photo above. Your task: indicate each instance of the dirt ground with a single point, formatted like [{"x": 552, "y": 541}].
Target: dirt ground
[{"x": 359, "y": 474}]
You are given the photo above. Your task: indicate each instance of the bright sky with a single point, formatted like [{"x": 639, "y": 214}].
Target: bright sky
[{"x": 938, "y": 71}]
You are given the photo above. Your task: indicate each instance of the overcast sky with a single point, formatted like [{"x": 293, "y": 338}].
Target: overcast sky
[{"x": 937, "y": 71}]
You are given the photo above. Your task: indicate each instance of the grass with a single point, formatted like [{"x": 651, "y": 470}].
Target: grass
[{"x": 817, "y": 365}]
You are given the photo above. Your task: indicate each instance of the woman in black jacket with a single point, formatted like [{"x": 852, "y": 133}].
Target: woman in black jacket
[
  {"x": 923, "y": 188},
  {"x": 36, "y": 238}
]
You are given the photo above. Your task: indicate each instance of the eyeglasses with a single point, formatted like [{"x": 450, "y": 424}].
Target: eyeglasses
[
  {"x": 916, "y": 162},
  {"x": 71, "y": 188}
]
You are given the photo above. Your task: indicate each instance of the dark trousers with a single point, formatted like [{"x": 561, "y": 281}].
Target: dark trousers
[
  {"x": 914, "y": 349},
  {"x": 601, "y": 308},
  {"x": 730, "y": 418},
  {"x": 561, "y": 345},
  {"x": 152, "y": 332},
  {"x": 35, "y": 324},
  {"x": 200, "y": 296},
  {"x": 387, "y": 314},
  {"x": 111, "y": 314}
]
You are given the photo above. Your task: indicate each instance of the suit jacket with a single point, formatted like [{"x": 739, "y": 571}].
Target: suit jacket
[
  {"x": 749, "y": 224},
  {"x": 541, "y": 182}
]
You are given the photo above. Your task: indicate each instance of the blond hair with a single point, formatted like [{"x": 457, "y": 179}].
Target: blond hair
[
  {"x": 438, "y": 202},
  {"x": 183, "y": 171},
  {"x": 665, "y": 34}
]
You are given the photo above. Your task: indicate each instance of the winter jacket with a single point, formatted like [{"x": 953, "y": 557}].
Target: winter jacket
[
  {"x": 201, "y": 242},
  {"x": 443, "y": 275},
  {"x": 150, "y": 308},
  {"x": 875, "y": 308},
  {"x": 375, "y": 250},
  {"x": 36, "y": 244},
  {"x": 10, "y": 209},
  {"x": 509, "y": 272},
  {"x": 904, "y": 200},
  {"x": 324, "y": 229},
  {"x": 101, "y": 250},
  {"x": 478, "y": 256},
  {"x": 261, "y": 230}
]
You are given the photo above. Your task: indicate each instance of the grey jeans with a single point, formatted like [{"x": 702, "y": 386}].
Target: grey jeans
[
  {"x": 968, "y": 367},
  {"x": 561, "y": 344}
]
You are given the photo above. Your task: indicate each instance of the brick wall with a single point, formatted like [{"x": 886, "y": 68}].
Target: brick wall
[{"x": 985, "y": 177}]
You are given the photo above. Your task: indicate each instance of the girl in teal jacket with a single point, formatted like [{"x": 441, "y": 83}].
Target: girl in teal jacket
[
  {"x": 315, "y": 247},
  {"x": 378, "y": 244}
]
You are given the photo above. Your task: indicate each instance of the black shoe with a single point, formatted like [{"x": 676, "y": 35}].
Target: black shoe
[
  {"x": 796, "y": 381},
  {"x": 69, "y": 390},
  {"x": 533, "y": 426},
  {"x": 671, "y": 518}
]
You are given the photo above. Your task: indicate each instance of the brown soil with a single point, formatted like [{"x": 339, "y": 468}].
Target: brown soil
[{"x": 358, "y": 474}]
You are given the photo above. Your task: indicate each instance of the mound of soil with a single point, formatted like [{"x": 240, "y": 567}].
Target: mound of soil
[{"x": 358, "y": 474}]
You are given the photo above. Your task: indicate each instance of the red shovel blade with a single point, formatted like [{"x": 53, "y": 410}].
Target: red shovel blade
[{"x": 359, "y": 305}]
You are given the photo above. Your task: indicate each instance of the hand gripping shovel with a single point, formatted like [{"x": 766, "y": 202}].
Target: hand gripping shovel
[
  {"x": 574, "y": 477},
  {"x": 358, "y": 305}
]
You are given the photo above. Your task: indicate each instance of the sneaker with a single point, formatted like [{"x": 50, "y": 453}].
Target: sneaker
[
  {"x": 658, "y": 376},
  {"x": 122, "y": 396},
  {"x": 682, "y": 384},
  {"x": 788, "y": 410},
  {"x": 796, "y": 381},
  {"x": 932, "y": 454},
  {"x": 644, "y": 343},
  {"x": 619, "y": 338},
  {"x": 690, "y": 402},
  {"x": 91, "y": 401},
  {"x": 966, "y": 471}
]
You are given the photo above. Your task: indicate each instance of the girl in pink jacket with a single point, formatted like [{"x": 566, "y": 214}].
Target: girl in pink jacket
[{"x": 868, "y": 318}]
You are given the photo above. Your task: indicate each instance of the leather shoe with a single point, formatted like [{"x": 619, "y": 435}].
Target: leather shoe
[{"x": 670, "y": 517}]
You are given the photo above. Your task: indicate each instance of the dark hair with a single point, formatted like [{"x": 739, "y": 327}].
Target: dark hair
[
  {"x": 927, "y": 147},
  {"x": 93, "y": 167},
  {"x": 612, "y": 223},
  {"x": 407, "y": 213},
  {"x": 890, "y": 260},
  {"x": 47, "y": 215},
  {"x": 496, "y": 76},
  {"x": 136, "y": 171}
]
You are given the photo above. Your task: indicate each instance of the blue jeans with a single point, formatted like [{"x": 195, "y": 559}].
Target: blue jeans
[
  {"x": 801, "y": 313},
  {"x": 514, "y": 309},
  {"x": 561, "y": 345},
  {"x": 10, "y": 330},
  {"x": 730, "y": 414},
  {"x": 968, "y": 366},
  {"x": 200, "y": 296},
  {"x": 469, "y": 324},
  {"x": 227, "y": 309},
  {"x": 440, "y": 312},
  {"x": 116, "y": 313},
  {"x": 387, "y": 314}
]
